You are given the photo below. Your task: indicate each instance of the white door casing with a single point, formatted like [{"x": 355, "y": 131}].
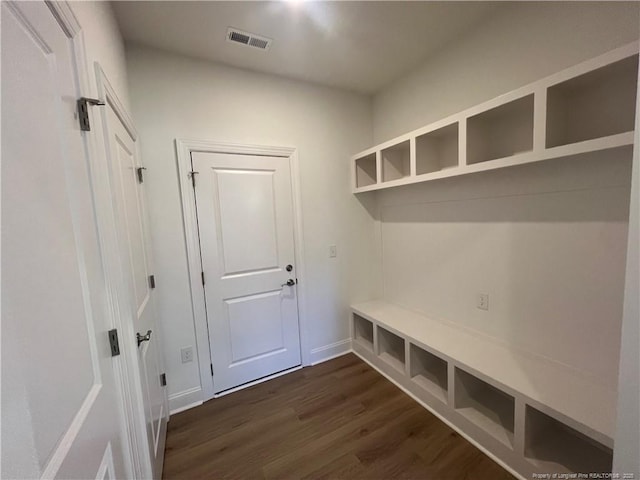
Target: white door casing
[
  {"x": 60, "y": 399},
  {"x": 245, "y": 219},
  {"x": 184, "y": 149},
  {"x": 135, "y": 256}
]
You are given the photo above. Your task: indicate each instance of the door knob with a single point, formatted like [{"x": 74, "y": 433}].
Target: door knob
[
  {"x": 290, "y": 283},
  {"x": 143, "y": 338}
]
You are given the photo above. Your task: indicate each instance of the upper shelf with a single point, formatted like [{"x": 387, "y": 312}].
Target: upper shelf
[{"x": 585, "y": 108}]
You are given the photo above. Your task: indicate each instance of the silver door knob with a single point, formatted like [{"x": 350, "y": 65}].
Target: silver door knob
[
  {"x": 290, "y": 283},
  {"x": 143, "y": 338}
]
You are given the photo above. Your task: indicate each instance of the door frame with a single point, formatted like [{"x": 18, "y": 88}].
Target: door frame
[
  {"x": 184, "y": 148},
  {"x": 127, "y": 367}
]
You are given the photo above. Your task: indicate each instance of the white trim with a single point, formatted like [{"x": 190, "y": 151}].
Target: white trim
[
  {"x": 187, "y": 407},
  {"x": 184, "y": 147},
  {"x": 331, "y": 351},
  {"x": 107, "y": 93},
  {"x": 444, "y": 420},
  {"x": 185, "y": 399},
  {"x": 63, "y": 13},
  {"x": 256, "y": 382},
  {"x": 69, "y": 437},
  {"x": 106, "y": 469}
]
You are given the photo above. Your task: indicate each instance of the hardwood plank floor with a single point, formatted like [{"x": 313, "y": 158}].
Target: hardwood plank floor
[{"x": 338, "y": 420}]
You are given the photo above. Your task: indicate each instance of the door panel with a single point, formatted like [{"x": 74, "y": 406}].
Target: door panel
[
  {"x": 125, "y": 156},
  {"x": 243, "y": 195},
  {"x": 245, "y": 220},
  {"x": 60, "y": 415},
  {"x": 262, "y": 316},
  {"x": 131, "y": 219}
]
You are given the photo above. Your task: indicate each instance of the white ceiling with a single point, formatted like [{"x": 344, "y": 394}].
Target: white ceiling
[{"x": 360, "y": 46}]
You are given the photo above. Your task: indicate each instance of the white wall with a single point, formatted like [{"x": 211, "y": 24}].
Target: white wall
[
  {"x": 525, "y": 42},
  {"x": 176, "y": 97},
  {"x": 546, "y": 242},
  {"x": 104, "y": 45}
]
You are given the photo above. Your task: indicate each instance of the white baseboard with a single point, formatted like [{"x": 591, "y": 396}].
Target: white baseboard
[
  {"x": 181, "y": 401},
  {"x": 337, "y": 349}
]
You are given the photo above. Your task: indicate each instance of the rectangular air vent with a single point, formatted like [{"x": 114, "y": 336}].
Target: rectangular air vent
[{"x": 248, "y": 39}]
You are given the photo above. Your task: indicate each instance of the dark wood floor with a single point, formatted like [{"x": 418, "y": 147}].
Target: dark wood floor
[{"x": 339, "y": 419}]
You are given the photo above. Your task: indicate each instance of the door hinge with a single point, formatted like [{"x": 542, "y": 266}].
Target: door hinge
[
  {"x": 211, "y": 365},
  {"x": 140, "y": 176},
  {"x": 163, "y": 380},
  {"x": 202, "y": 274},
  {"x": 193, "y": 174},
  {"x": 83, "y": 111},
  {"x": 152, "y": 281},
  {"x": 113, "y": 342}
]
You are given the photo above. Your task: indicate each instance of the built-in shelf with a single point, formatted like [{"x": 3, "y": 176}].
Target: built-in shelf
[
  {"x": 428, "y": 371},
  {"x": 363, "y": 332},
  {"x": 437, "y": 150},
  {"x": 391, "y": 349},
  {"x": 492, "y": 390},
  {"x": 596, "y": 104},
  {"x": 366, "y": 170},
  {"x": 584, "y": 109},
  {"x": 500, "y": 132},
  {"x": 396, "y": 162},
  {"x": 485, "y": 405},
  {"x": 552, "y": 446}
]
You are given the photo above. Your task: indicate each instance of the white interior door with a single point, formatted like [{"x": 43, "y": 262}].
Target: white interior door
[
  {"x": 61, "y": 415},
  {"x": 131, "y": 223},
  {"x": 245, "y": 221}
]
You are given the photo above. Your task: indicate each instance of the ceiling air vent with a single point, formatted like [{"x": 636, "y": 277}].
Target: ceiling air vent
[{"x": 248, "y": 39}]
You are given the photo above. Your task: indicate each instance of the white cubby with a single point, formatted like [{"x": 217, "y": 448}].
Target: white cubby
[
  {"x": 363, "y": 332},
  {"x": 396, "y": 161},
  {"x": 596, "y": 104},
  {"x": 428, "y": 371},
  {"x": 485, "y": 405},
  {"x": 366, "y": 170},
  {"x": 391, "y": 349},
  {"x": 492, "y": 390},
  {"x": 437, "y": 150},
  {"x": 552, "y": 446},
  {"x": 584, "y": 109},
  {"x": 501, "y": 132}
]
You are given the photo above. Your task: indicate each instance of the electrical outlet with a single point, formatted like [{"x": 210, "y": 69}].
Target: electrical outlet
[
  {"x": 482, "y": 302},
  {"x": 333, "y": 251},
  {"x": 187, "y": 354}
]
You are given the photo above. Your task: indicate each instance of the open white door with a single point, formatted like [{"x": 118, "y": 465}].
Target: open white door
[
  {"x": 61, "y": 410},
  {"x": 245, "y": 221},
  {"x": 126, "y": 179}
]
